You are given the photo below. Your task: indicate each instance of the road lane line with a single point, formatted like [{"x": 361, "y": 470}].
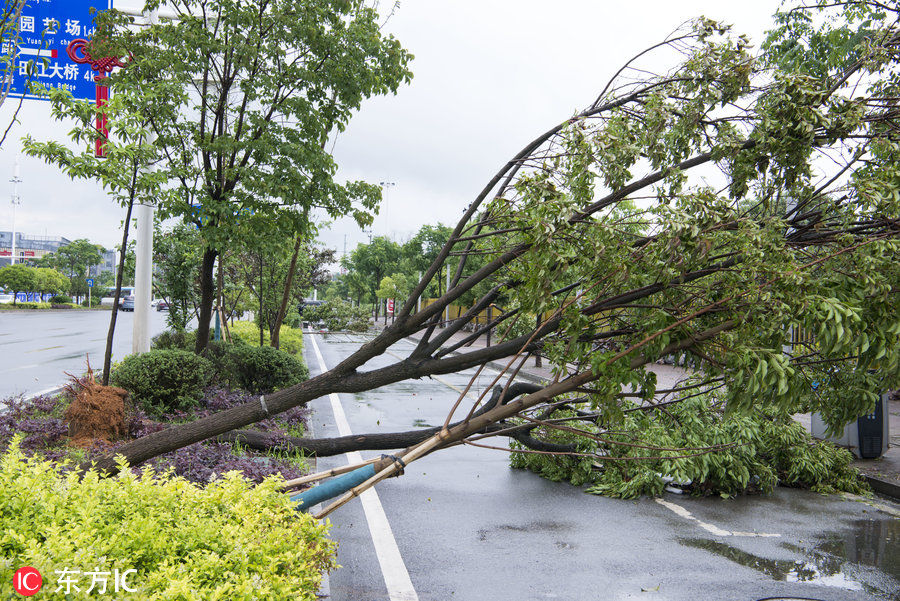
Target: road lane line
[
  {"x": 681, "y": 511},
  {"x": 396, "y": 576}
]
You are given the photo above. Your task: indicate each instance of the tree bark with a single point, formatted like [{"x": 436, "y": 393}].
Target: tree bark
[
  {"x": 207, "y": 295},
  {"x": 285, "y": 297},
  {"x": 328, "y": 447},
  {"x": 107, "y": 355}
]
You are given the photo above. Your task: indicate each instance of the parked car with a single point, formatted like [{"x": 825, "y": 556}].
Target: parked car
[
  {"x": 162, "y": 305},
  {"x": 127, "y": 303}
]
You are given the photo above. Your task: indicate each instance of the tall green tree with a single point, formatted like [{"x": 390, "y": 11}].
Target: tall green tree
[
  {"x": 243, "y": 97},
  {"x": 127, "y": 168}
]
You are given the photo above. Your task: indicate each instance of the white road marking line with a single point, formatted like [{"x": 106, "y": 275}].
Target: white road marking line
[
  {"x": 681, "y": 511},
  {"x": 396, "y": 577}
]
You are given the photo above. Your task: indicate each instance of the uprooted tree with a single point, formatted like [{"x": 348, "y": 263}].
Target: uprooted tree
[{"x": 741, "y": 211}]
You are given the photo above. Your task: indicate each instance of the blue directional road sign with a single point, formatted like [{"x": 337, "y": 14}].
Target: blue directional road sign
[
  {"x": 90, "y": 282},
  {"x": 46, "y": 28}
]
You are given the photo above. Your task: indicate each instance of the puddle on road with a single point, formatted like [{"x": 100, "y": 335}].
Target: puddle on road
[
  {"x": 866, "y": 546},
  {"x": 826, "y": 573},
  {"x": 874, "y": 543}
]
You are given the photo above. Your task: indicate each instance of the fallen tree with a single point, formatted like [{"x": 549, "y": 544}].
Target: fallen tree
[{"x": 739, "y": 210}]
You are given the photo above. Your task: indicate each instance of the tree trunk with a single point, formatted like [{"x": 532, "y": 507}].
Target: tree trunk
[
  {"x": 260, "y": 320},
  {"x": 207, "y": 295},
  {"x": 282, "y": 310},
  {"x": 329, "y": 447},
  {"x": 107, "y": 356}
]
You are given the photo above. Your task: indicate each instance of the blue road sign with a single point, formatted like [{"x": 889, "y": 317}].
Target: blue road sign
[
  {"x": 90, "y": 282},
  {"x": 46, "y": 28}
]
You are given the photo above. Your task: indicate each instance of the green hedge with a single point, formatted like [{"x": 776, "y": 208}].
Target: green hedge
[
  {"x": 261, "y": 369},
  {"x": 228, "y": 540},
  {"x": 290, "y": 339},
  {"x": 164, "y": 380}
]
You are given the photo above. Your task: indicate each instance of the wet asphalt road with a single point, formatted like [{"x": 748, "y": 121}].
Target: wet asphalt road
[
  {"x": 38, "y": 347},
  {"x": 468, "y": 527}
]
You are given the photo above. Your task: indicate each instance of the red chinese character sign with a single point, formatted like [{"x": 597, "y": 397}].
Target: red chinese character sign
[{"x": 79, "y": 51}]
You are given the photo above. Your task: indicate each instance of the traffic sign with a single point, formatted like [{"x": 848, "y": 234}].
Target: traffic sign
[
  {"x": 46, "y": 29},
  {"x": 90, "y": 282}
]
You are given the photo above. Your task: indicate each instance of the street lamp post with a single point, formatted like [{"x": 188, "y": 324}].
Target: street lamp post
[
  {"x": 385, "y": 186},
  {"x": 15, "y": 201}
]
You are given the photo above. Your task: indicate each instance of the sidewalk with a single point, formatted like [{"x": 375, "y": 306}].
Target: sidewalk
[{"x": 883, "y": 473}]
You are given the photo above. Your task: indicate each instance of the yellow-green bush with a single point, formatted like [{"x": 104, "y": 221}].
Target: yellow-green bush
[
  {"x": 229, "y": 540},
  {"x": 291, "y": 339}
]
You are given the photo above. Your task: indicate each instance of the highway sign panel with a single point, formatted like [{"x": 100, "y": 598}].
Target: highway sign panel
[{"x": 46, "y": 29}]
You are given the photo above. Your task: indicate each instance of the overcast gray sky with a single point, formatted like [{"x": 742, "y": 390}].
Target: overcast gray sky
[{"x": 488, "y": 76}]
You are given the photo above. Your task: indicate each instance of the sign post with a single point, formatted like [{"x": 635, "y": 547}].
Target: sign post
[{"x": 90, "y": 283}]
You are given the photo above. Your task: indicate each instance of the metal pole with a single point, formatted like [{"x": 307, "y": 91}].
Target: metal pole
[
  {"x": 15, "y": 201},
  {"x": 419, "y": 298},
  {"x": 143, "y": 268}
]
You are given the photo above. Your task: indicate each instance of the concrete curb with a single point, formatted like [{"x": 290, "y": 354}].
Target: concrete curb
[
  {"x": 884, "y": 487},
  {"x": 48, "y": 392}
]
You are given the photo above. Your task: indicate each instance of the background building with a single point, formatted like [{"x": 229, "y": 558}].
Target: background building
[{"x": 28, "y": 247}]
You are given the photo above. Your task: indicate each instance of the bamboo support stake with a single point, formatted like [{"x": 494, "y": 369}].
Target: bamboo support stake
[
  {"x": 224, "y": 325},
  {"x": 416, "y": 452},
  {"x": 288, "y": 484}
]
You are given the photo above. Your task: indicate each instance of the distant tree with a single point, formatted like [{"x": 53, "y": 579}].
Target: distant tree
[
  {"x": 422, "y": 249},
  {"x": 106, "y": 279},
  {"x": 50, "y": 281},
  {"x": 74, "y": 260},
  {"x": 18, "y": 278},
  {"x": 395, "y": 286},
  {"x": 373, "y": 262}
]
